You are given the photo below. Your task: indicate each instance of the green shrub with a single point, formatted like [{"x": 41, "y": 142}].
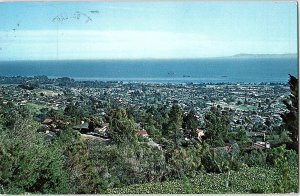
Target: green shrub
[
  {"x": 246, "y": 180},
  {"x": 27, "y": 164}
]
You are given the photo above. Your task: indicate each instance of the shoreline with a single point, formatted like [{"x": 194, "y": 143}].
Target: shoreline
[{"x": 183, "y": 80}]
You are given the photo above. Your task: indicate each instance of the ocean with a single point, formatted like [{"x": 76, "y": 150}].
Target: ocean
[{"x": 210, "y": 70}]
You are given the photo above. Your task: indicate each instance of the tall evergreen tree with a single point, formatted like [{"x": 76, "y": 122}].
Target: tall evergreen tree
[
  {"x": 217, "y": 125},
  {"x": 77, "y": 164},
  {"x": 190, "y": 121},
  {"x": 172, "y": 128},
  {"x": 121, "y": 128},
  {"x": 290, "y": 118},
  {"x": 176, "y": 115}
]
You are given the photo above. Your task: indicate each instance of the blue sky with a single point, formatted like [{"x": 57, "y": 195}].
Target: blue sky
[{"x": 29, "y": 30}]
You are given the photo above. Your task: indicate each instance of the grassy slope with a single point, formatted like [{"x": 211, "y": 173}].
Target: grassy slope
[{"x": 248, "y": 180}]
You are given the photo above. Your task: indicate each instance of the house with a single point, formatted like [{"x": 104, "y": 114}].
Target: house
[
  {"x": 143, "y": 133},
  {"x": 62, "y": 123},
  {"x": 85, "y": 137},
  {"x": 47, "y": 121},
  {"x": 102, "y": 131},
  {"x": 83, "y": 127},
  {"x": 56, "y": 130},
  {"x": 257, "y": 136},
  {"x": 154, "y": 144},
  {"x": 198, "y": 134},
  {"x": 181, "y": 130},
  {"x": 103, "y": 128},
  {"x": 93, "y": 134},
  {"x": 258, "y": 145},
  {"x": 226, "y": 148},
  {"x": 262, "y": 145}
]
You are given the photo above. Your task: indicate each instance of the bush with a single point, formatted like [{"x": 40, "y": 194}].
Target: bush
[
  {"x": 286, "y": 183},
  {"x": 27, "y": 164},
  {"x": 255, "y": 158},
  {"x": 77, "y": 164}
]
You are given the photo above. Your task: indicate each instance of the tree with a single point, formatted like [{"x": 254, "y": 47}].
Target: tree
[
  {"x": 190, "y": 121},
  {"x": 172, "y": 128},
  {"x": 153, "y": 131},
  {"x": 28, "y": 164},
  {"x": 184, "y": 161},
  {"x": 94, "y": 122},
  {"x": 241, "y": 137},
  {"x": 290, "y": 118},
  {"x": 284, "y": 184},
  {"x": 175, "y": 120},
  {"x": 121, "y": 128},
  {"x": 74, "y": 111},
  {"x": 12, "y": 112},
  {"x": 176, "y": 115},
  {"x": 126, "y": 164},
  {"x": 173, "y": 134},
  {"x": 217, "y": 125},
  {"x": 77, "y": 164}
]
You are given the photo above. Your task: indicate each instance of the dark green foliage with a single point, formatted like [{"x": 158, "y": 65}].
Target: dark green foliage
[
  {"x": 220, "y": 160},
  {"x": 126, "y": 164},
  {"x": 94, "y": 122},
  {"x": 292, "y": 157},
  {"x": 10, "y": 113},
  {"x": 190, "y": 121},
  {"x": 174, "y": 134},
  {"x": 255, "y": 158},
  {"x": 186, "y": 185},
  {"x": 210, "y": 163},
  {"x": 77, "y": 164},
  {"x": 137, "y": 114},
  {"x": 184, "y": 161},
  {"x": 176, "y": 115},
  {"x": 63, "y": 81},
  {"x": 74, "y": 111},
  {"x": 55, "y": 114},
  {"x": 279, "y": 136},
  {"x": 217, "y": 126},
  {"x": 153, "y": 131},
  {"x": 173, "y": 129},
  {"x": 27, "y": 164},
  {"x": 241, "y": 137},
  {"x": 121, "y": 128},
  {"x": 291, "y": 119},
  {"x": 286, "y": 183}
]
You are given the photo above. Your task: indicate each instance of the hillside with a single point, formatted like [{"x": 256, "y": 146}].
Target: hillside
[
  {"x": 245, "y": 55},
  {"x": 248, "y": 180}
]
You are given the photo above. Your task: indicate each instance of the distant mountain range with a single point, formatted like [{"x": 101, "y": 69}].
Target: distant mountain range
[{"x": 245, "y": 55}]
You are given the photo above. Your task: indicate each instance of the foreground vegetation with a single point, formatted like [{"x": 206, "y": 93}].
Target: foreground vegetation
[
  {"x": 34, "y": 161},
  {"x": 247, "y": 180}
]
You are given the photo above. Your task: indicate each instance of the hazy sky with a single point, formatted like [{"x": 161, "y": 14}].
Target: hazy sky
[{"x": 145, "y": 29}]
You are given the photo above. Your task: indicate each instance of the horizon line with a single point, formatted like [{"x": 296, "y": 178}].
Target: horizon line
[{"x": 238, "y": 55}]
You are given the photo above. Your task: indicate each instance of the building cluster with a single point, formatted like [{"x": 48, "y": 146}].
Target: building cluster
[{"x": 251, "y": 105}]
